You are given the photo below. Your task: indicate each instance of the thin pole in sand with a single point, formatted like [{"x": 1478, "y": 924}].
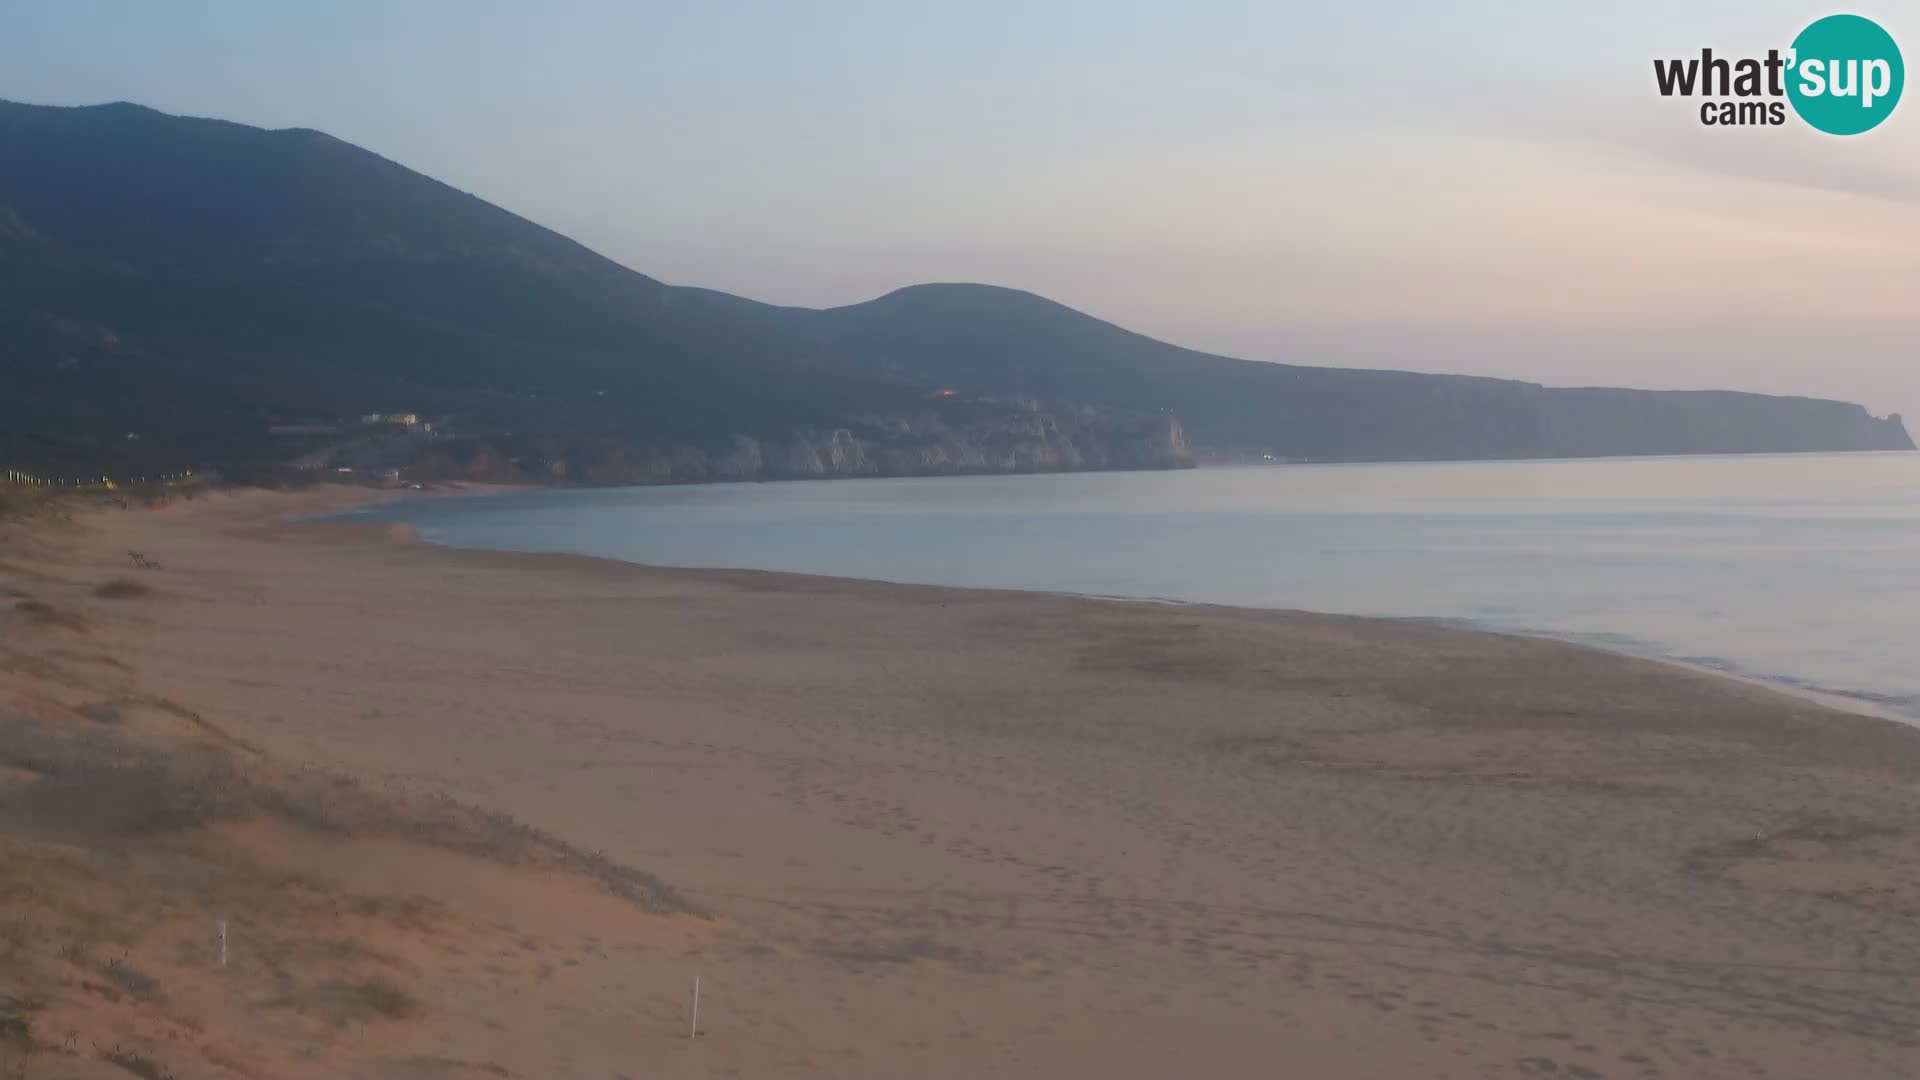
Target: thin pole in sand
[
  {"x": 223, "y": 943},
  {"x": 693, "y": 1030}
]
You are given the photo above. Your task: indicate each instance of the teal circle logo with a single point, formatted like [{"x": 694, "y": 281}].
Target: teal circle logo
[{"x": 1846, "y": 75}]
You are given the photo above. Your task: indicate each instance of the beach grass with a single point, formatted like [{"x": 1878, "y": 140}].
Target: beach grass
[
  {"x": 122, "y": 588},
  {"x": 42, "y": 613}
]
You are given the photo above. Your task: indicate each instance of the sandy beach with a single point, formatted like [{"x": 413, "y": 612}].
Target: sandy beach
[{"x": 910, "y": 831}]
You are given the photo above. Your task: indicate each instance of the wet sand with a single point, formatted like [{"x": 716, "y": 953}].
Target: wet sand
[{"x": 961, "y": 833}]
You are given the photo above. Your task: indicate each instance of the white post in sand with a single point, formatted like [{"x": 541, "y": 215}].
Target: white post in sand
[
  {"x": 693, "y": 1030},
  {"x": 223, "y": 943}
]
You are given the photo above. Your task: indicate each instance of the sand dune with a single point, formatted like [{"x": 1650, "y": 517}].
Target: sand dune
[{"x": 956, "y": 833}]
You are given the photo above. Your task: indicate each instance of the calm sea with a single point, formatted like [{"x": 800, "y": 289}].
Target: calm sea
[{"x": 1800, "y": 569}]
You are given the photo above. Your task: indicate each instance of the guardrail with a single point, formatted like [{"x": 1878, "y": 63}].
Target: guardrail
[{"x": 22, "y": 478}]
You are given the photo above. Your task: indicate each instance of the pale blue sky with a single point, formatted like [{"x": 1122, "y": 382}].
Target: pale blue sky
[{"x": 1490, "y": 187}]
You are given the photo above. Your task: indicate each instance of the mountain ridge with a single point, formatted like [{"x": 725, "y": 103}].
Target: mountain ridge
[
  {"x": 199, "y": 283},
  {"x": 989, "y": 339}
]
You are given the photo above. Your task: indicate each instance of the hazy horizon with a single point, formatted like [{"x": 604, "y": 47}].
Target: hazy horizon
[{"x": 1490, "y": 190}]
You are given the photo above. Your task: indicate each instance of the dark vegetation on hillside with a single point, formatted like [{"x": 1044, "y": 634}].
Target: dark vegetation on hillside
[
  {"x": 194, "y": 281},
  {"x": 172, "y": 290}
]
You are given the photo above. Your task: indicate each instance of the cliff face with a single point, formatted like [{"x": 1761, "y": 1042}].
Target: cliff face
[
  {"x": 1026, "y": 440},
  {"x": 1597, "y": 421},
  {"x": 1006, "y": 438}
]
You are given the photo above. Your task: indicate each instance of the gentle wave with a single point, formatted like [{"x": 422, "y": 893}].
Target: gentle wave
[{"x": 1799, "y": 571}]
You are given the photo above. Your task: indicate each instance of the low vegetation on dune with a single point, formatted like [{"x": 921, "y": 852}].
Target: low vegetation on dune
[
  {"x": 42, "y": 613},
  {"x": 122, "y": 588},
  {"x": 136, "y": 1063},
  {"x": 126, "y": 862},
  {"x": 344, "y": 1003},
  {"x": 31, "y": 505}
]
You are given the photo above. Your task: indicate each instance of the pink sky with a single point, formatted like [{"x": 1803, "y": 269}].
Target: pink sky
[{"x": 1490, "y": 186}]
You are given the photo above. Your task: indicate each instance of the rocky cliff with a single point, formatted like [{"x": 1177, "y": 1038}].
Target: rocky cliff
[{"x": 1017, "y": 437}]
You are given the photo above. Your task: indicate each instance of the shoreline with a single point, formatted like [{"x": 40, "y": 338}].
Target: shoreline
[
  {"x": 943, "y": 831},
  {"x": 1858, "y": 704}
]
